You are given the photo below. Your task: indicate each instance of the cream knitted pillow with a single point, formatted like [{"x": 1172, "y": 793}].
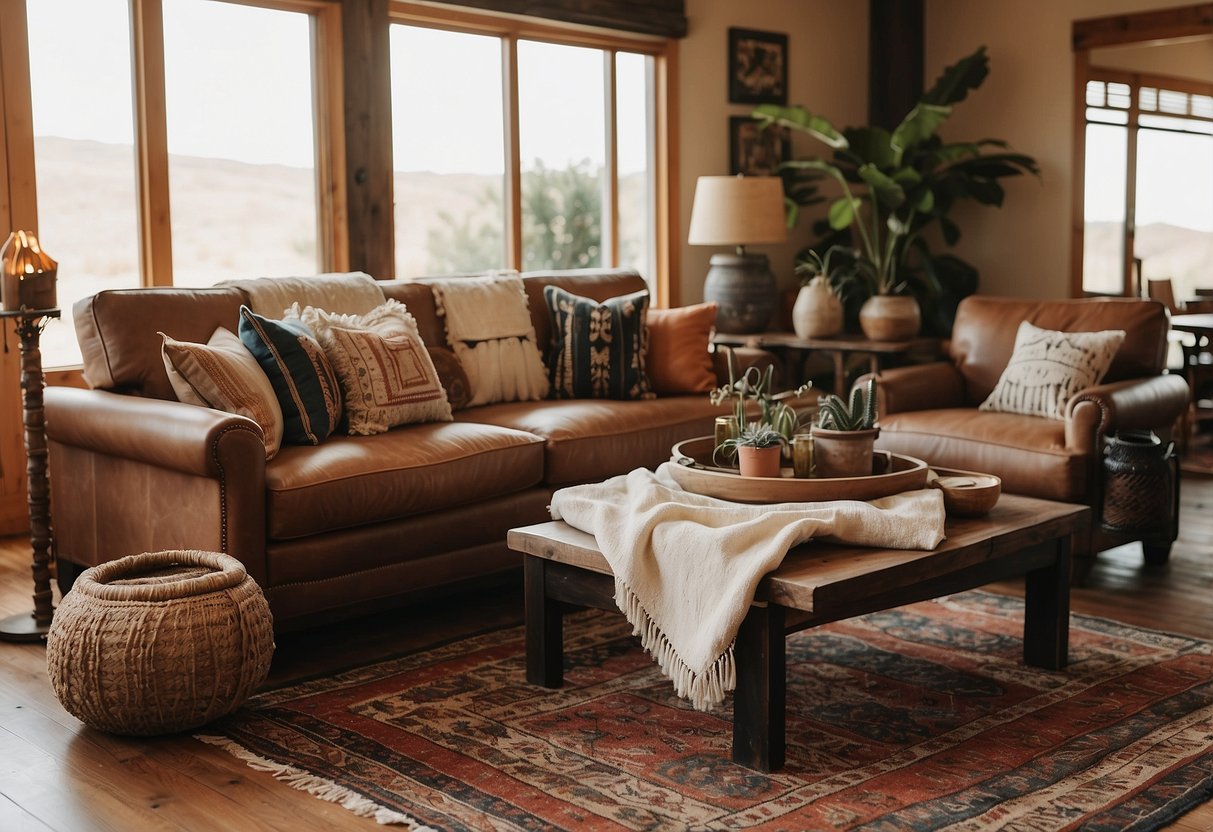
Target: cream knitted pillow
[{"x": 1047, "y": 368}]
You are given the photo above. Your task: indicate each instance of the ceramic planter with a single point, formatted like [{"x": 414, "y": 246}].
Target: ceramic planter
[
  {"x": 759, "y": 462},
  {"x": 890, "y": 317},
  {"x": 843, "y": 453},
  {"x": 817, "y": 312}
]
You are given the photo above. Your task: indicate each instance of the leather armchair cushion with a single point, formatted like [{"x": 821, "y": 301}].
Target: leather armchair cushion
[
  {"x": 1028, "y": 453},
  {"x": 353, "y": 481},
  {"x": 588, "y": 440}
]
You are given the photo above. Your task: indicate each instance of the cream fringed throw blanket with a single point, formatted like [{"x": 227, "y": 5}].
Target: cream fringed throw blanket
[{"x": 686, "y": 566}]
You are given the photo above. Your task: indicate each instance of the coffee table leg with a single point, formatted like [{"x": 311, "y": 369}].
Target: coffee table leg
[
  {"x": 758, "y": 702},
  {"x": 1046, "y": 621},
  {"x": 544, "y": 628}
]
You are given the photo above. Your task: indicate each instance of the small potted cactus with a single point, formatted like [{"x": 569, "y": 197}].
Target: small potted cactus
[
  {"x": 845, "y": 433},
  {"x": 759, "y": 449}
]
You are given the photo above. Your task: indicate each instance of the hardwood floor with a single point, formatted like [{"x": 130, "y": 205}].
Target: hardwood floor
[{"x": 57, "y": 775}]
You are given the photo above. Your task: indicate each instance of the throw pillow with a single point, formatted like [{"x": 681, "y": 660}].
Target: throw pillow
[
  {"x": 678, "y": 359},
  {"x": 454, "y": 379},
  {"x": 1047, "y": 368},
  {"x": 488, "y": 325},
  {"x": 386, "y": 373},
  {"x": 223, "y": 375},
  {"x": 304, "y": 382},
  {"x": 598, "y": 349}
]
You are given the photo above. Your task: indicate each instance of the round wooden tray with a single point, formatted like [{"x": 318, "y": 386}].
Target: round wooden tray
[{"x": 695, "y": 471}]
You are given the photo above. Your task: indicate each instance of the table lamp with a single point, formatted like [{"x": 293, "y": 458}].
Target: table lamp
[
  {"x": 739, "y": 211},
  {"x": 28, "y": 274}
]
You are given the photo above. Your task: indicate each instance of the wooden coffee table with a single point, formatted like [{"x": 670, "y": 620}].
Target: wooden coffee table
[{"x": 818, "y": 583}]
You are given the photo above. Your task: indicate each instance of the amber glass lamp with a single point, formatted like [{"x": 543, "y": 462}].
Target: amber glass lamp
[{"x": 28, "y": 274}]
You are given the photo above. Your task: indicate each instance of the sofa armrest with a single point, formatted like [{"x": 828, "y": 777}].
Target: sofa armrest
[
  {"x": 132, "y": 474},
  {"x": 918, "y": 387},
  {"x": 1141, "y": 403}
]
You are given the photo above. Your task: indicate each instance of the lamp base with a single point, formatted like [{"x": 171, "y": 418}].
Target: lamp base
[
  {"x": 744, "y": 288},
  {"x": 23, "y": 627}
]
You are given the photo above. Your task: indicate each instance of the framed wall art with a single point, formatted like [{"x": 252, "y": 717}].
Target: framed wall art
[
  {"x": 754, "y": 151},
  {"x": 758, "y": 67}
]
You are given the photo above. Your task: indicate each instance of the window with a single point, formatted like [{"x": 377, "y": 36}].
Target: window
[
  {"x": 540, "y": 152},
  {"x": 1157, "y": 134},
  {"x": 84, "y": 150},
  {"x": 242, "y": 160}
]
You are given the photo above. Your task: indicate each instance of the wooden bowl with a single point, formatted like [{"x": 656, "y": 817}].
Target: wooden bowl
[{"x": 967, "y": 493}]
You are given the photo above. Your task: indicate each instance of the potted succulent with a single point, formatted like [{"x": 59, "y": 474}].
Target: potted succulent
[
  {"x": 845, "y": 433},
  {"x": 817, "y": 312},
  {"x": 759, "y": 449},
  {"x": 896, "y": 187}
]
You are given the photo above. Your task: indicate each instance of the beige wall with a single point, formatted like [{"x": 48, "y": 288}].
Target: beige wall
[
  {"x": 1022, "y": 249},
  {"x": 827, "y": 72}
]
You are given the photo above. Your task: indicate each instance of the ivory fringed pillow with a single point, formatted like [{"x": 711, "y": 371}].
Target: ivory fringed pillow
[
  {"x": 386, "y": 373},
  {"x": 488, "y": 326},
  {"x": 222, "y": 374},
  {"x": 1047, "y": 368}
]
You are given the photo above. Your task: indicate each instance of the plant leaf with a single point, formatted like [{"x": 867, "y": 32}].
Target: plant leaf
[
  {"x": 955, "y": 82},
  {"x": 842, "y": 212},
  {"x": 869, "y": 144},
  {"x": 951, "y": 231},
  {"x": 925, "y": 203},
  {"x": 917, "y": 127},
  {"x": 798, "y": 118},
  {"x": 888, "y": 193}
]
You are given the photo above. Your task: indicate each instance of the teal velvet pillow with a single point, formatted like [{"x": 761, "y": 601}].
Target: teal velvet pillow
[
  {"x": 303, "y": 380},
  {"x": 598, "y": 350}
]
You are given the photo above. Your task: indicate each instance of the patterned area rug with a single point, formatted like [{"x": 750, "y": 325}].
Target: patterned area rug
[{"x": 918, "y": 718}]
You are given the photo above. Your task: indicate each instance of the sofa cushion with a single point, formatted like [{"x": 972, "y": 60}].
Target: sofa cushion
[
  {"x": 387, "y": 376},
  {"x": 598, "y": 349},
  {"x": 304, "y": 381},
  {"x": 1048, "y": 368},
  {"x": 592, "y": 440},
  {"x": 679, "y": 360},
  {"x": 351, "y": 481},
  {"x": 1028, "y": 453},
  {"x": 222, "y": 374}
]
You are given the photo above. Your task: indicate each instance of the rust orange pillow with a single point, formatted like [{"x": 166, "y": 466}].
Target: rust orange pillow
[{"x": 678, "y": 360}]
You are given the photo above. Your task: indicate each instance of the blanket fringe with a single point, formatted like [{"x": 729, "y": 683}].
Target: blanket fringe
[
  {"x": 319, "y": 787},
  {"x": 705, "y": 689}
]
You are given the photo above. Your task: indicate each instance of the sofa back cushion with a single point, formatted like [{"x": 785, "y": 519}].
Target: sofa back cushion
[
  {"x": 983, "y": 336},
  {"x": 117, "y": 333}
]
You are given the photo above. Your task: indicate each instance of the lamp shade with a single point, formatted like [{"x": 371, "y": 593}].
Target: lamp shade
[
  {"x": 737, "y": 211},
  {"x": 27, "y": 274}
]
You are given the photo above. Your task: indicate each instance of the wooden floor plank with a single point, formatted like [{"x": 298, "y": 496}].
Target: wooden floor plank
[{"x": 57, "y": 775}]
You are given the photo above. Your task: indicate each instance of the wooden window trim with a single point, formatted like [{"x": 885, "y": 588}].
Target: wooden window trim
[{"x": 663, "y": 51}]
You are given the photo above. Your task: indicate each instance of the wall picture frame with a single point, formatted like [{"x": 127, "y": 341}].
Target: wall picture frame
[
  {"x": 758, "y": 67},
  {"x": 754, "y": 151}
]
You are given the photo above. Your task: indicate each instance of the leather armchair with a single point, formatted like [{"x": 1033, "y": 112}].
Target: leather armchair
[{"x": 931, "y": 411}]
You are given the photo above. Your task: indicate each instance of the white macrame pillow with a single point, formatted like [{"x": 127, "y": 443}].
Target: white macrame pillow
[
  {"x": 488, "y": 325},
  {"x": 1047, "y": 368}
]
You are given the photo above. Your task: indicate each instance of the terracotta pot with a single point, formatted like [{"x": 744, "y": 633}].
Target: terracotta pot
[
  {"x": 759, "y": 462},
  {"x": 890, "y": 317},
  {"x": 818, "y": 311},
  {"x": 843, "y": 453}
]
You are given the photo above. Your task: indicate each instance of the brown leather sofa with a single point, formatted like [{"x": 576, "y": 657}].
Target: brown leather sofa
[
  {"x": 930, "y": 411},
  {"x": 352, "y": 524}
]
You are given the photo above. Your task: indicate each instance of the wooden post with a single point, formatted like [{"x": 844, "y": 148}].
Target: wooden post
[{"x": 895, "y": 60}]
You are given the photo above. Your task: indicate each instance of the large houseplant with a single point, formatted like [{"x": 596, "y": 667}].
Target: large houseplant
[{"x": 896, "y": 186}]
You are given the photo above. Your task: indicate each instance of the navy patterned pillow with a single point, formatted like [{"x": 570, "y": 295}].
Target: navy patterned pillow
[
  {"x": 598, "y": 349},
  {"x": 303, "y": 380}
]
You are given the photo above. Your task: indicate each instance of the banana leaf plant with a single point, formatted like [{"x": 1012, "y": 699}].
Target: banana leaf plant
[{"x": 895, "y": 186}]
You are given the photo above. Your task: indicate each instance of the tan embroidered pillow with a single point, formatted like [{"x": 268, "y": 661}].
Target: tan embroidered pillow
[
  {"x": 223, "y": 374},
  {"x": 1047, "y": 368},
  {"x": 386, "y": 374}
]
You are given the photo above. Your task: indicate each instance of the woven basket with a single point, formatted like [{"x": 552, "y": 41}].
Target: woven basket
[{"x": 160, "y": 642}]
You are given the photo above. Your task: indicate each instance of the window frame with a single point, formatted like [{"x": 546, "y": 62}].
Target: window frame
[{"x": 511, "y": 29}]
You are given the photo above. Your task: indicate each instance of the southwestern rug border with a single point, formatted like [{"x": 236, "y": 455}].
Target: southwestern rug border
[{"x": 923, "y": 717}]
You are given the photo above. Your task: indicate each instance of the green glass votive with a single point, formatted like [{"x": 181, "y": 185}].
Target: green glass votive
[{"x": 802, "y": 455}]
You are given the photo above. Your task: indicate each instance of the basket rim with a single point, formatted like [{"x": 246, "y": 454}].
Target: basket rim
[{"x": 226, "y": 573}]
